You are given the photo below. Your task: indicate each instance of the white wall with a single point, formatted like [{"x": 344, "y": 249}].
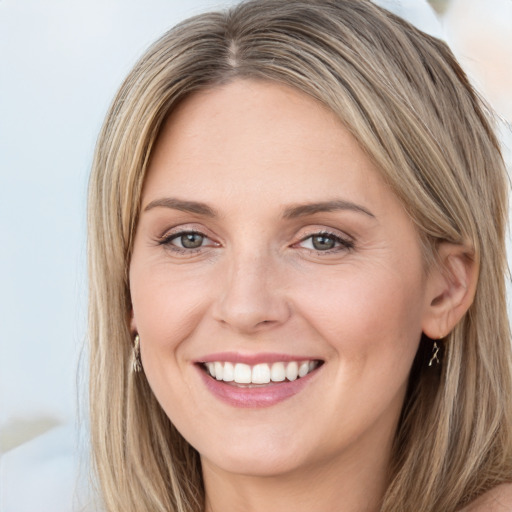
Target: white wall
[{"x": 61, "y": 63}]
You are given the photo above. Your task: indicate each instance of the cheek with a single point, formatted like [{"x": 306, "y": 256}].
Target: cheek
[
  {"x": 166, "y": 309},
  {"x": 372, "y": 325},
  {"x": 377, "y": 314}
]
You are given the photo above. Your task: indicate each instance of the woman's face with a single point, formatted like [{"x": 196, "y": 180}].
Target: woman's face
[{"x": 269, "y": 245}]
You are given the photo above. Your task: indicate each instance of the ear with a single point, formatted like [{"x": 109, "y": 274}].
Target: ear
[{"x": 451, "y": 286}]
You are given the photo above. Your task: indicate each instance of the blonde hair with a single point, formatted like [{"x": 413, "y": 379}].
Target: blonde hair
[{"x": 405, "y": 99}]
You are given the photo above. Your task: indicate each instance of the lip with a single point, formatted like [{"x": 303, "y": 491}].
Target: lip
[
  {"x": 252, "y": 359},
  {"x": 259, "y": 396}
]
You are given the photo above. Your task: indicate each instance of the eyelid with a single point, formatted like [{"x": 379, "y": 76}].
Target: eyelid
[
  {"x": 181, "y": 228},
  {"x": 171, "y": 234},
  {"x": 345, "y": 241}
]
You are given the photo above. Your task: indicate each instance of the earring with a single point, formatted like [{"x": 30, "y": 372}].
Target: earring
[
  {"x": 435, "y": 352},
  {"x": 136, "y": 361}
]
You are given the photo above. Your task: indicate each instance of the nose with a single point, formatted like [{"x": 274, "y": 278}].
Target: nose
[{"x": 251, "y": 298}]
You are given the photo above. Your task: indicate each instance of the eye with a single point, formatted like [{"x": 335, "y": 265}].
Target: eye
[
  {"x": 185, "y": 241},
  {"x": 325, "y": 242},
  {"x": 188, "y": 240}
]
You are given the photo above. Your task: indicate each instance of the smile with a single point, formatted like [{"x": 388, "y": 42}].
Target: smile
[
  {"x": 256, "y": 381},
  {"x": 261, "y": 373}
]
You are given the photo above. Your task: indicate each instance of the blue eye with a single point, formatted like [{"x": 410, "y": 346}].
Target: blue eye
[
  {"x": 325, "y": 242},
  {"x": 189, "y": 240},
  {"x": 185, "y": 241}
]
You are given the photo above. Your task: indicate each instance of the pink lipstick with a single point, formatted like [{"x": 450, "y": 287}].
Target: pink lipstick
[{"x": 260, "y": 380}]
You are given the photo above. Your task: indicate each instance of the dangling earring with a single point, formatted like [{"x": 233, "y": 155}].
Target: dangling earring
[
  {"x": 435, "y": 352},
  {"x": 136, "y": 361}
]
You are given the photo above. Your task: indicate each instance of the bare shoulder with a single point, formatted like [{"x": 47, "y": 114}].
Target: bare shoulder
[{"x": 498, "y": 499}]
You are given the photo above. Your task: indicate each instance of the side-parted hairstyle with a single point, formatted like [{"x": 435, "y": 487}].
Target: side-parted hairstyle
[{"x": 407, "y": 102}]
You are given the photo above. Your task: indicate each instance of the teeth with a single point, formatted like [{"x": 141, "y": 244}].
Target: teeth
[
  {"x": 292, "y": 371},
  {"x": 219, "y": 370},
  {"x": 229, "y": 372},
  {"x": 303, "y": 369},
  {"x": 261, "y": 373},
  {"x": 278, "y": 372},
  {"x": 243, "y": 373}
]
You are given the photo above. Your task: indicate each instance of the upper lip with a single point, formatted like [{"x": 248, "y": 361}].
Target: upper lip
[{"x": 253, "y": 359}]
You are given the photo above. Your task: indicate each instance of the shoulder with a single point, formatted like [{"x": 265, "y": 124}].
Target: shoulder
[{"x": 498, "y": 499}]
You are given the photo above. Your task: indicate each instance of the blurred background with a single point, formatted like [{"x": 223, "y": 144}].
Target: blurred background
[{"x": 61, "y": 62}]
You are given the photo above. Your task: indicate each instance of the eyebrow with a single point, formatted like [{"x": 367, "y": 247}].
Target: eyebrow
[
  {"x": 291, "y": 212},
  {"x": 326, "y": 206},
  {"x": 184, "y": 206}
]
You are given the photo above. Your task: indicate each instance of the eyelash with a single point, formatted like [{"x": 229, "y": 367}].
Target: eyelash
[
  {"x": 344, "y": 243},
  {"x": 167, "y": 240}
]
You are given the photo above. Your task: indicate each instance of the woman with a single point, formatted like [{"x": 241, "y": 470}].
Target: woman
[{"x": 297, "y": 215}]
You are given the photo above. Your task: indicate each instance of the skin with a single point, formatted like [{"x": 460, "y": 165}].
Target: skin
[
  {"x": 498, "y": 499},
  {"x": 251, "y": 151}
]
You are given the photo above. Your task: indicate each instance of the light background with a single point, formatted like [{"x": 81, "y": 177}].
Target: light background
[{"x": 60, "y": 64}]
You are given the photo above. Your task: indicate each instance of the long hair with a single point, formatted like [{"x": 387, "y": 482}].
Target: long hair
[{"x": 407, "y": 102}]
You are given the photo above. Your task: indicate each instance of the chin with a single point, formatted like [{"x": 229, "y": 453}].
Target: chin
[
  {"x": 250, "y": 463},
  {"x": 270, "y": 454}
]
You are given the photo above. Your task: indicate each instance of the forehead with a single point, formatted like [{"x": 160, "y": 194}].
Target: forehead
[{"x": 263, "y": 137}]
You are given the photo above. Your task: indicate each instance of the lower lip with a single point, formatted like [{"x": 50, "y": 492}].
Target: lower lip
[{"x": 255, "y": 397}]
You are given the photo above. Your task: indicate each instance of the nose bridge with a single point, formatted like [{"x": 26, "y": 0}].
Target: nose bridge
[{"x": 250, "y": 297}]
